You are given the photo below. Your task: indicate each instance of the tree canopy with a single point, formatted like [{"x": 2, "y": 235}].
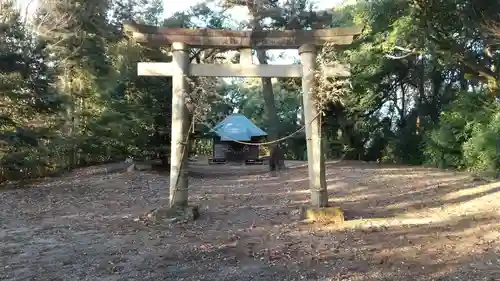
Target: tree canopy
[{"x": 424, "y": 87}]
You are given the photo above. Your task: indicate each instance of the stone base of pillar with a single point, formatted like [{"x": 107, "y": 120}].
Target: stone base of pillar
[
  {"x": 179, "y": 214},
  {"x": 327, "y": 215}
]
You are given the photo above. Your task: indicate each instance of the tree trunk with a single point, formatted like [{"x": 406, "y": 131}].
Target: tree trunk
[
  {"x": 421, "y": 94},
  {"x": 69, "y": 116},
  {"x": 270, "y": 106},
  {"x": 267, "y": 92}
]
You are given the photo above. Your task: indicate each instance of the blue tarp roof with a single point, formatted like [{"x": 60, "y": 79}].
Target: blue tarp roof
[{"x": 237, "y": 127}]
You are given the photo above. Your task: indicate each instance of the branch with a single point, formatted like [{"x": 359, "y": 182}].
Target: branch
[
  {"x": 409, "y": 53},
  {"x": 27, "y": 10},
  {"x": 493, "y": 28},
  {"x": 196, "y": 55},
  {"x": 460, "y": 53},
  {"x": 404, "y": 49},
  {"x": 211, "y": 54},
  {"x": 398, "y": 57},
  {"x": 481, "y": 70}
]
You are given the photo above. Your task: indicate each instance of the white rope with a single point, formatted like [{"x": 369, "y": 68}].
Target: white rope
[{"x": 274, "y": 141}]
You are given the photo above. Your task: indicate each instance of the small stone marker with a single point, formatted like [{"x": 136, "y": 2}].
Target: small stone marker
[{"x": 130, "y": 164}]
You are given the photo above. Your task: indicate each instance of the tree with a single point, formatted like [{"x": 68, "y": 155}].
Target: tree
[
  {"x": 423, "y": 86},
  {"x": 27, "y": 98},
  {"x": 460, "y": 33}
]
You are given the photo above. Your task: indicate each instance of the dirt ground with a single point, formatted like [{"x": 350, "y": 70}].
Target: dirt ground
[{"x": 404, "y": 223}]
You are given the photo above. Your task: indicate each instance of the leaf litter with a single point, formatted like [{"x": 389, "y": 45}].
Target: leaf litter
[{"x": 404, "y": 223}]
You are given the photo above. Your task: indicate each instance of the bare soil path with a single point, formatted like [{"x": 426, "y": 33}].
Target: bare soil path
[{"x": 405, "y": 223}]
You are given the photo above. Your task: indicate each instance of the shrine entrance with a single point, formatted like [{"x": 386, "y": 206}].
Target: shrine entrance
[{"x": 180, "y": 40}]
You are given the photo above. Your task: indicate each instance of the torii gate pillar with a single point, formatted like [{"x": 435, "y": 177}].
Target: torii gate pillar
[
  {"x": 180, "y": 123},
  {"x": 315, "y": 156}
]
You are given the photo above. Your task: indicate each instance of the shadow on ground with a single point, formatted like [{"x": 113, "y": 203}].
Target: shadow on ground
[{"x": 405, "y": 223}]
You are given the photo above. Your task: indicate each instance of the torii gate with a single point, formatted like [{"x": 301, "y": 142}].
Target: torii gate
[{"x": 307, "y": 41}]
